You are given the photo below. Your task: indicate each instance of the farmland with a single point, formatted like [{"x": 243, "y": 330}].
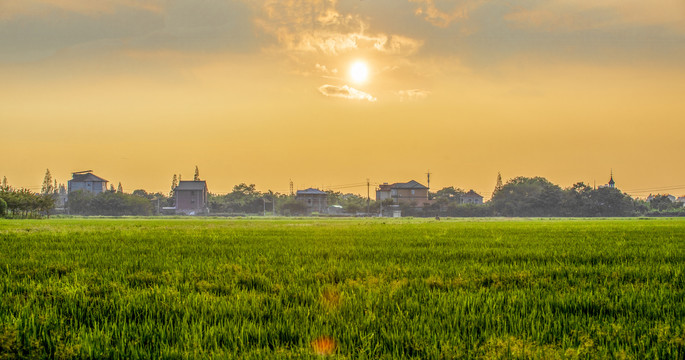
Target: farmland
[{"x": 350, "y": 288}]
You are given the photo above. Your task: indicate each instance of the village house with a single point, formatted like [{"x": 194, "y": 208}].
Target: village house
[
  {"x": 86, "y": 181},
  {"x": 471, "y": 197},
  {"x": 404, "y": 193},
  {"x": 315, "y": 200},
  {"x": 191, "y": 198}
]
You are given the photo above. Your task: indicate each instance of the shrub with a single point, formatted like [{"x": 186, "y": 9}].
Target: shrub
[{"x": 3, "y": 207}]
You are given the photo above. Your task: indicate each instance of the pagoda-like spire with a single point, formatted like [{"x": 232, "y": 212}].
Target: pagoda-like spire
[{"x": 612, "y": 183}]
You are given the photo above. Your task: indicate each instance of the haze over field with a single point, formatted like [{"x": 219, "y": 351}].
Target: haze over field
[{"x": 334, "y": 92}]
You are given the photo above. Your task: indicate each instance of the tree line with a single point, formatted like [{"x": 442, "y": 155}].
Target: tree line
[
  {"x": 520, "y": 196},
  {"x": 538, "y": 197},
  {"x": 24, "y": 203}
]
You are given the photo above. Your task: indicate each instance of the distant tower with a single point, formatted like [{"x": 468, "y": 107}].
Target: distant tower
[
  {"x": 428, "y": 174},
  {"x": 292, "y": 192},
  {"x": 612, "y": 183}
]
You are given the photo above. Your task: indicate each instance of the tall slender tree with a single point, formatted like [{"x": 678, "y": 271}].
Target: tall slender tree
[
  {"x": 47, "y": 183},
  {"x": 174, "y": 184},
  {"x": 196, "y": 177},
  {"x": 4, "y": 182},
  {"x": 120, "y": 189},
  {"x": 498, "y": 185}
]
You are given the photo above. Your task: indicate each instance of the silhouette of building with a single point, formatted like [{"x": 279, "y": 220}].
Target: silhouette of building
[
  {"x": 86, "y": 181},
  {"x": 191, "y": 198}
]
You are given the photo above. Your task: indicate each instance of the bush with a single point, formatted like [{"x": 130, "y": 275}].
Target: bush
[{"x": 3, "y": 207}]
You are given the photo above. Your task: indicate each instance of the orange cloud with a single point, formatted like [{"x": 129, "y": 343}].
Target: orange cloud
[
  {"x": 316, "y": 26},
  {"x": 430, "y": 12}
]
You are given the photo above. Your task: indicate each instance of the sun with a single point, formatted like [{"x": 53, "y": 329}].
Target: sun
[{"x": 359, "y": 72}]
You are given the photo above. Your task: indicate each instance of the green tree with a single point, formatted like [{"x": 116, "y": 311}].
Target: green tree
[
  {"x": 608, "y": 201},
  {"x": 142, "y": 193},
  {"x": 79, "y": 202},
  {"x": 47, "y": 187},
  {"x": 174, "y": 185},
  {"x": 196, "y": 177},
  {"x": 577, "y": 200},
  {"x": 46, "y": 203},
  {"x": 498, "y": 184},
  {"x": 524, "y": 196},
  {"x": 3, "y": 207},
  {"x": 120, "y": 189},
  {"x": 663, "y": 203}
]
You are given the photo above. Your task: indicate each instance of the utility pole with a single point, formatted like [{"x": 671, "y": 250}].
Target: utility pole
[{"x": 368, "y": 196}]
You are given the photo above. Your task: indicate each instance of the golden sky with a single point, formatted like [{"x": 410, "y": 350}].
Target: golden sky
[{"x": 260, "y": 92}]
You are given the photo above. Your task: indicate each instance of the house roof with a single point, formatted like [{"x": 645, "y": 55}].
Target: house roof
[
  {"x": 472, "y": 193},
  {"x": 408, "y": 185},
  {"x": 310, "y": 191},
  {"x": 191, "y": 185},
  {"x": 77, "y": 177}
]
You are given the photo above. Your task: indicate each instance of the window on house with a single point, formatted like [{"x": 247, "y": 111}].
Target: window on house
[{"x": 412, "y": 192}]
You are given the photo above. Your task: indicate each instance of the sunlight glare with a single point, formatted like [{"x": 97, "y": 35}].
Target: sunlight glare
[{"x": 359, "y": 72}]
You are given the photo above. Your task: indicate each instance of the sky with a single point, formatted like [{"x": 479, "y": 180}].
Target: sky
[{"x": 263, "y": 92}]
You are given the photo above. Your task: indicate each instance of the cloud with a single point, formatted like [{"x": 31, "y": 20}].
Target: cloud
[
  {"x": 430, "y": 12},
  {"x": 323, "y": 69},
  {"x": 316, "y": 26},
  {"x": 345, "y": 92},
  {"x": 413, "y": 94}
]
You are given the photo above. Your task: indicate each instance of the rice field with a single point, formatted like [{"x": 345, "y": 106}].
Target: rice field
[{"x": 342, "y": 288}]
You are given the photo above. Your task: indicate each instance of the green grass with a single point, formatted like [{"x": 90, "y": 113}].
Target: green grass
[{"x": 379, "y": 288}]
